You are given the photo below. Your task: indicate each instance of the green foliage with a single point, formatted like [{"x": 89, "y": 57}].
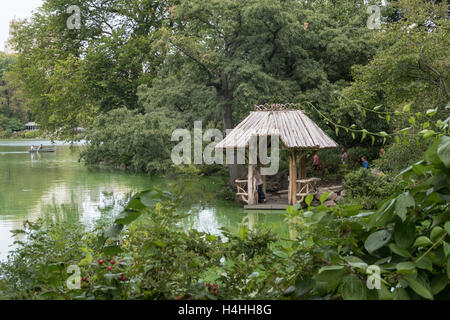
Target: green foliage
[
  {"x": 366, "y": 188},
  {"x": 405, "y": 80},
  {"x": 405, "y": 239},
  {"x": 126, "y": 139},
  {"x": 146, "y": 254},
  {"x": 13, "y": 111},
  {"x": 400, "y": 155}
]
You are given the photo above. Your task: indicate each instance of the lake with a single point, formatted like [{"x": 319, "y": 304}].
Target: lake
[{"x": 57, "y": 186}]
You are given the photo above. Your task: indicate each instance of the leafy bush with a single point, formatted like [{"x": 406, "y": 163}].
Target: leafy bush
[
  {"x": 355, "y": 154},
  {"x": 330, "y": 159},
  {"x": 149, "y": 258},
  {"x": 367, "y": 188},
  {"x": 127, "y": 139},
  {"x": 399, "y": 252},
  {"x": 400, "y": 155},
  {"x": 402, "y": 249}
]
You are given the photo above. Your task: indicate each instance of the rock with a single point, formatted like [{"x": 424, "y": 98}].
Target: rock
[
  {"x": 343, "y": 193},
  {"x": 330, "y": 203},
  {"x": 331, "y": 196},
  {"x": 336, "y": 188},
  {"x": 377, "y": 172},
  {"x": 315, "y": 203}
]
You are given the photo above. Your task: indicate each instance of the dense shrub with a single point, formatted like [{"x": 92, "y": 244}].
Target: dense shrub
[
  {"x": 330, "y": 159},
  {"x": 127, "y": 139},
  {"x": 399, "y": 252},
  {"x": 399, "y": 156},
  {"x": 355, "y": 154},
  {"x": 367, "y": 188}
]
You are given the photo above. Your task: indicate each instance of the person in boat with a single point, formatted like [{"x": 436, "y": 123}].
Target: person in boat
[
  {"x": 41, "y": 147},
  {"x": 32, "y": 148}
]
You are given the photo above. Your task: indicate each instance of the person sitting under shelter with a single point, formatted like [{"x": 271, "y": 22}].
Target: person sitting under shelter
[{"x": 259, "y": 183}]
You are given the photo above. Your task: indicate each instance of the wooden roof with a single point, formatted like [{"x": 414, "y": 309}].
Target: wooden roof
[{"x": 294, "y": 128}]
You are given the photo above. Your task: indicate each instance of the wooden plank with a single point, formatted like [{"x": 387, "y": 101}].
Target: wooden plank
[
  {"x": 251, "y": 184},
  {"x": 267, "y": 206},
  {"x": 292, "y": 195}
]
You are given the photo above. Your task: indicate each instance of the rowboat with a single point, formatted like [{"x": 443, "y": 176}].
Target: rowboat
[{"x": 43, "y": 149}]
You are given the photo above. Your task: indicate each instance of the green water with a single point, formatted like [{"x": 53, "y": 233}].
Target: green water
[{"x": 55, "y": 185}]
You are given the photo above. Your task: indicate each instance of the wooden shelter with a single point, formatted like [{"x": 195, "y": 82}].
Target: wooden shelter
[{"x": 296, "y": 131}]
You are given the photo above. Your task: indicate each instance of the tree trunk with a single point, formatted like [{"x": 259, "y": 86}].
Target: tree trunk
[{"x": 235, "y": 170}]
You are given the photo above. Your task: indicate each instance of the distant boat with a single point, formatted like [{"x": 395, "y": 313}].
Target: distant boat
[{"x": 43, "y": 149}]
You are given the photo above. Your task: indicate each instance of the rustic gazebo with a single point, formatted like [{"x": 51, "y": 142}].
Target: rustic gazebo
[{"x": 297, "y": 132}]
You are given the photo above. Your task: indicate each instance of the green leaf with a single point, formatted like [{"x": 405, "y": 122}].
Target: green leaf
[
  {"x": 422, "y": 241},
  {"x": 438, "y": 283},
  {"x": 150, "y": 198},
  {"x": 406, "y": 268},
  {"x": 112, "y": 250},
  {"x": 356, "y": 262},
  {"x": 437, "y": 233},
  {"x": 446, "y": 249},
  {"x": 404, "y": 233},
  {"x": 407, "y": 107},
  {"x": 309, "y": 199},
  {"x": 443, "y": 151},
  {"x": 431, "y": 155},
  {"x": 398, "y": 250},
  {"x": 354, "y": 288},
  {"x": 419, "y": 285},
  {"x": 448, "y": 267},
  {"x": 289, "y": 291},
  {"x": 447, "y": 227},
  {"x": 87, "y": 258},
  {"x": 377, "y": 240},
  {"x": 401, "y": 294},
  {"x": 303, "y": 286},
  {"x": 431, "y": 112},
  {"x": 324, "y": 196},
  {"x": 425, "y": 263},
  {"x": 113, "y": 231},
  {"x": 127, "y": 216},
  {"x": 384, "y": 293},
  {"x": 402, "y": 202}
]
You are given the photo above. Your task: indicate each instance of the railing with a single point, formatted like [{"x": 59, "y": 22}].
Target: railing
[
  {"x": 307, "y": 186},
  {"x": 242, "y": 189}
]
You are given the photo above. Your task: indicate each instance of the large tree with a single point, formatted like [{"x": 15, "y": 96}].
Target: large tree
[
  {"x": 72, "y": 75},
  {"x": 226, "y": 56}
]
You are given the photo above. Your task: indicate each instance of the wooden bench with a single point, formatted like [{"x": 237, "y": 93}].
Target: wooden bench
[
  {"x": 242, "y": 189},
  {"x": 307, "y": 187}
]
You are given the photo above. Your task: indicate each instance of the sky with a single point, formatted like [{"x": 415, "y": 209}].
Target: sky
[{"x": 14, "y": 8}]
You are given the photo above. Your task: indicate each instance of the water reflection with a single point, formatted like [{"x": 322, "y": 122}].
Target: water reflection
[{"x": 59, "y": 188}]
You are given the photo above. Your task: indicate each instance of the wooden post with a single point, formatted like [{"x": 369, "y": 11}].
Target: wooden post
[
  {"x": 251, "y": 184},
  {"x": 292, "y": 194},
  {"x": 264, "y": 184}
]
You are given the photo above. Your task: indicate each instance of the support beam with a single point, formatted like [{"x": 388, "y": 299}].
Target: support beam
[
  {"x": 251, "y": 184},
  {"x": 292, "y": 194},
  {"x": 264, "y": 179}
]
